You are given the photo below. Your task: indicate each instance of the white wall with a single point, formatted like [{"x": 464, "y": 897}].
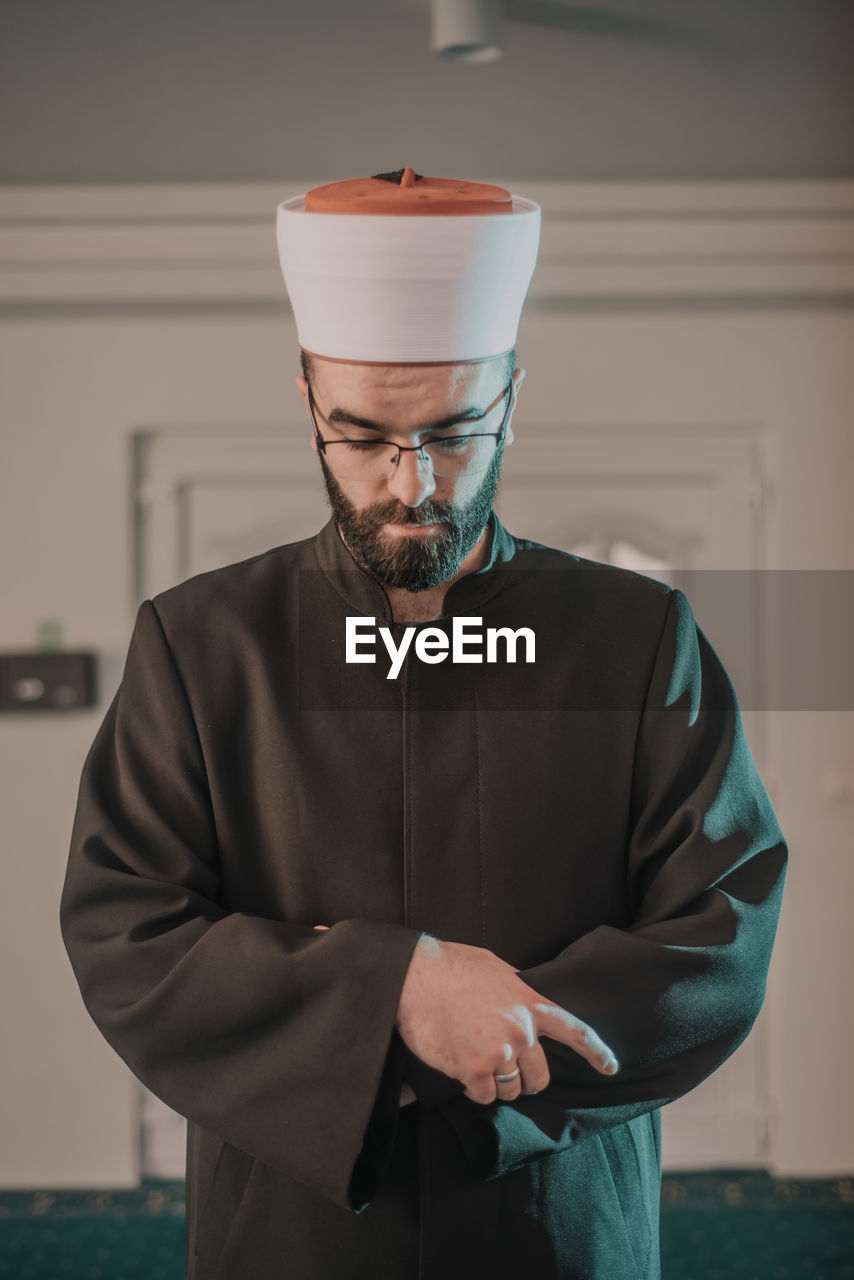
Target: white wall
[
  {"x": 105, "y": 91},
  {"x": 72, "y": 393}
]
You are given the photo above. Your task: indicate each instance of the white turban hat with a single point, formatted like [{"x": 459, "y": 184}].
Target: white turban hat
[{"x": 403, "y": 269}]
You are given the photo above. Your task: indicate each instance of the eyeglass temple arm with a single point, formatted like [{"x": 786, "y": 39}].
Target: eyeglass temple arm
[{"x": 321, "y": 443}]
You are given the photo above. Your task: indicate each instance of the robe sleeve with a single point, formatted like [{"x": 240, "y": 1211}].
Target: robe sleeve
[
  {"x": 677, "y": 990},
  {"x": 279, "y": 1039}
]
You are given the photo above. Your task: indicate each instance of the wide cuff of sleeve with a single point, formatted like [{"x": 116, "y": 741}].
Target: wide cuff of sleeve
[
  {"x": 377, "y": 1144},
  {"x": 504, "y": 1136},
  {"x": 372, "y": 1073}
]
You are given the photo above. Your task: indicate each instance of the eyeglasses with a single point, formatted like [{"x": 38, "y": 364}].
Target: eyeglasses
[{"x": 450, "y": 455}]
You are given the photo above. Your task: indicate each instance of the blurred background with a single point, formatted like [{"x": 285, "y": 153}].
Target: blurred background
[{"x": 689, "y": 347}]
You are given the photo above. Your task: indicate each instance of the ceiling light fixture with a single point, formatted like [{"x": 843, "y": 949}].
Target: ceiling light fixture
[{"x": 466, "y": 30}]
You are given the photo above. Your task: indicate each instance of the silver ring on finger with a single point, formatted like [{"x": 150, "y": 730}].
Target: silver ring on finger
[{"x": 507, "y": 1079}]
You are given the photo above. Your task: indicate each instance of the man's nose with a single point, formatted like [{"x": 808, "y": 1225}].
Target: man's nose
[{"x": 412, "y": 479}]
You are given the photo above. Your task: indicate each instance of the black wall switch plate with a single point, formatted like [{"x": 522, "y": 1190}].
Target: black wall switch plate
[{"x": 47, "y": 681}]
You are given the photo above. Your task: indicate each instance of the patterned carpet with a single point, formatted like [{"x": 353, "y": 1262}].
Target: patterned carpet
[{"x": 726, "y": 1225}]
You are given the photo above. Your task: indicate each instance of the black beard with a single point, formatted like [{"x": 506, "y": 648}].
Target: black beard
[{"x": 413, "y": 564}]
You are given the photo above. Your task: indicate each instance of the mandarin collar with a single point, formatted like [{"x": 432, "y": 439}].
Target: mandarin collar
[{"x": 366, "y": 596}]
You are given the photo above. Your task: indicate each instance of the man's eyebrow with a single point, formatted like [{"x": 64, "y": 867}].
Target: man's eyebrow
[{"x": 465, "y": 415}]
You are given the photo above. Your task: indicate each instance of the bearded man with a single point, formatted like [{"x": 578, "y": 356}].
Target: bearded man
[{"x": 420, "y": 947}]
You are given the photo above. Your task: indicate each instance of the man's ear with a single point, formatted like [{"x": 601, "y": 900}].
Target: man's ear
[
  {"x": 518, "y": 378},
  {"x": 302, "y": 387}
]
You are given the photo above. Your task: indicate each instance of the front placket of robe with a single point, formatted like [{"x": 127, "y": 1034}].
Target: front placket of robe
[
  {"x": 442, "y": 859},
  {"x": 444, "y": 895}
]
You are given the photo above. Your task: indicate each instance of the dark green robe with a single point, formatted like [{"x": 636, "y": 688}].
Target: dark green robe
[{"x": 594, "y": 818}]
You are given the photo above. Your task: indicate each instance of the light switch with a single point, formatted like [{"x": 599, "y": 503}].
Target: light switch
[{"x": 47, "y": 681}]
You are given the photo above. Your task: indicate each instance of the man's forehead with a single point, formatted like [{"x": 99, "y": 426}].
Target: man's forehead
[{"x": 399, "y": 381}]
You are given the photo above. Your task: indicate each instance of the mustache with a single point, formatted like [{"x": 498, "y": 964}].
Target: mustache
[{"x": 395, "y": 512}]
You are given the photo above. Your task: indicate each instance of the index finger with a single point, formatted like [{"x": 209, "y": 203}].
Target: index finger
[{"x": 569, "y": 1030}]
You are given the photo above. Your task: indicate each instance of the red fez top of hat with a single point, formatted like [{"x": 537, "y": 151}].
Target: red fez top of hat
[{"x": 406, "y": 192}]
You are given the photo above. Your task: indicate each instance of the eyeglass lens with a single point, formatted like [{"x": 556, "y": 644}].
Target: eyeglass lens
[{"x": 445, "y": 457}]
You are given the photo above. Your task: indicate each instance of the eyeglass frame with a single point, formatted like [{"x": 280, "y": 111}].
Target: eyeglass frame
[{"x": 417, "y": 448}]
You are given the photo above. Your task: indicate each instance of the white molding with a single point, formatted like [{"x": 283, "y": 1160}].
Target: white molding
[{"x": 601, "y": 243}]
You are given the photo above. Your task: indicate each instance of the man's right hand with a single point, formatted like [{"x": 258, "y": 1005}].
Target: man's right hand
[{"x": 466, "y": 1012}]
